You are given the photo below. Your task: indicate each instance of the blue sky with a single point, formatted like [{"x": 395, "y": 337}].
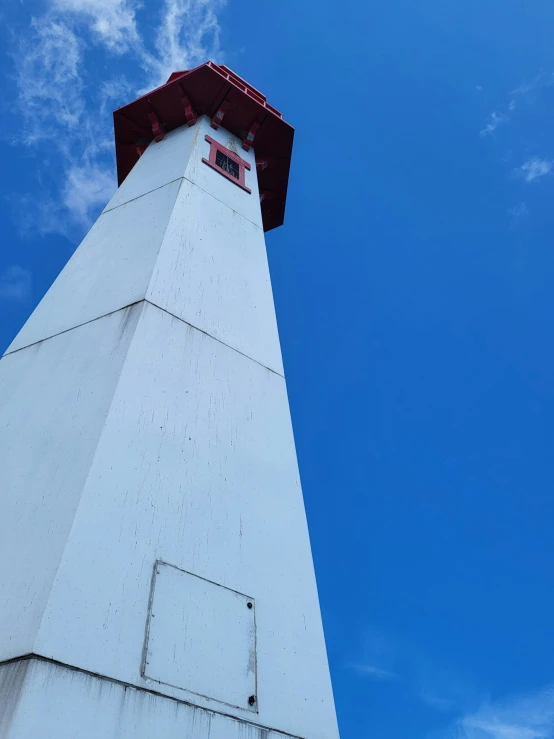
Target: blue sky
[{"x": 414, "y": 285}]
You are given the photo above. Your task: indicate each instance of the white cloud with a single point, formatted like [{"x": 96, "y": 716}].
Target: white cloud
[
  {"x": 529, "y": 91},
  {"x": 111, "y": 21},
  {"x": 188, "y": 34},
  {"x": 521, "y": 717},
  {"x": 87, "y": 189},
  {"x": 517, "y": 213},
  {"x": 436, "y": 701},
  {"x": 15, "y": 283},
  {"x": 527, "y": 87},
  {"x": 534, "y": 168},
  {"x": 112, "y": 94},
  {"x": 495, "y": 120},
  {"x": 444, "y": 689},
  {"x": 65, "y": 102},
  {"x": 375, "y": 673},
  {"x": 48, "y": 72}
]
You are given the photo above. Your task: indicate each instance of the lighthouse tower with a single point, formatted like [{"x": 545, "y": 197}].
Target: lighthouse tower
[{"x": 157, "y": 579}]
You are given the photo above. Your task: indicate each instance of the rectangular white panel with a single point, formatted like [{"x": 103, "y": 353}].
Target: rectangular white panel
[{"x": 201, "y": 637}]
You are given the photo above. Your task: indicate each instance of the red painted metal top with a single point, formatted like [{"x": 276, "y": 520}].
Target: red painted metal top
[{"x": 215, "y": 91}]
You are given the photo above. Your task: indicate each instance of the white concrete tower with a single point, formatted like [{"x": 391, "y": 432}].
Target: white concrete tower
[{"x": 156, "y": 577}]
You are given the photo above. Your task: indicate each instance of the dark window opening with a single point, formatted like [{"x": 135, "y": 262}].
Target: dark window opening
[{"x": 226, "y": 164}]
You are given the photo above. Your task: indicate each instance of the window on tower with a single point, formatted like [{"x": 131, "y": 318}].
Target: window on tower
[
  {"x": 228, "y": 163},
  {"x": 223, "y": 161}
]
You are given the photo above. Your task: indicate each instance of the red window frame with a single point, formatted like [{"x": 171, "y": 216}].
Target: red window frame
[{"x": 215, "y": 146}]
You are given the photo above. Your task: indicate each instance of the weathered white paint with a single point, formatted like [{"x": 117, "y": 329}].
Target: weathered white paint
[
  {"x": 111, "y": 269},
  {"x": 39, "y": 700},
  {"x": 212, "y": 272},
  {"x": 54, "y": 400},
  {"x": 180, "y": 247},
  {"x": 160, "y": 431},
  {"x": 195, "y": 466},
  {"x": 160, "y": 164}
]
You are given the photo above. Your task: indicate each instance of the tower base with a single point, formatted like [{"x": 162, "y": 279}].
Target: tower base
[{"x": 41, "y": 699}]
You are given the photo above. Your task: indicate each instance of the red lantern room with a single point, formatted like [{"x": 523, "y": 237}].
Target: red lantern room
[{"x": 217, "y": 92}]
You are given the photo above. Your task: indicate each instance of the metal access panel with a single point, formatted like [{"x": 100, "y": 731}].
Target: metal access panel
[{"x": 201, "y": 637}]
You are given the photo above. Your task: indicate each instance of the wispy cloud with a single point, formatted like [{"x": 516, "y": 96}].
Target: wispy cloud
[
  {"x": 436, "y": 701},
  {"x": 65, "y": 102},
  {"x": 188, "y": 35},
  {"x": 113, "y": 22},
  {"x": 495, "y": 120},
  {"x": 15, "y": 283},
  {"x": 517, "y": 214},
  {"x": 86, "y": 189},
  {"x": 520, "y": 717},
  {"x": 372, "y": 672},
  {"x": 528, "y": 91},
  {"x": 445, "y": 689},
  {"x": 49, "y": 82},
  {"x": 526, "y": 87},
  {"x": 534, "y": 168}
]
